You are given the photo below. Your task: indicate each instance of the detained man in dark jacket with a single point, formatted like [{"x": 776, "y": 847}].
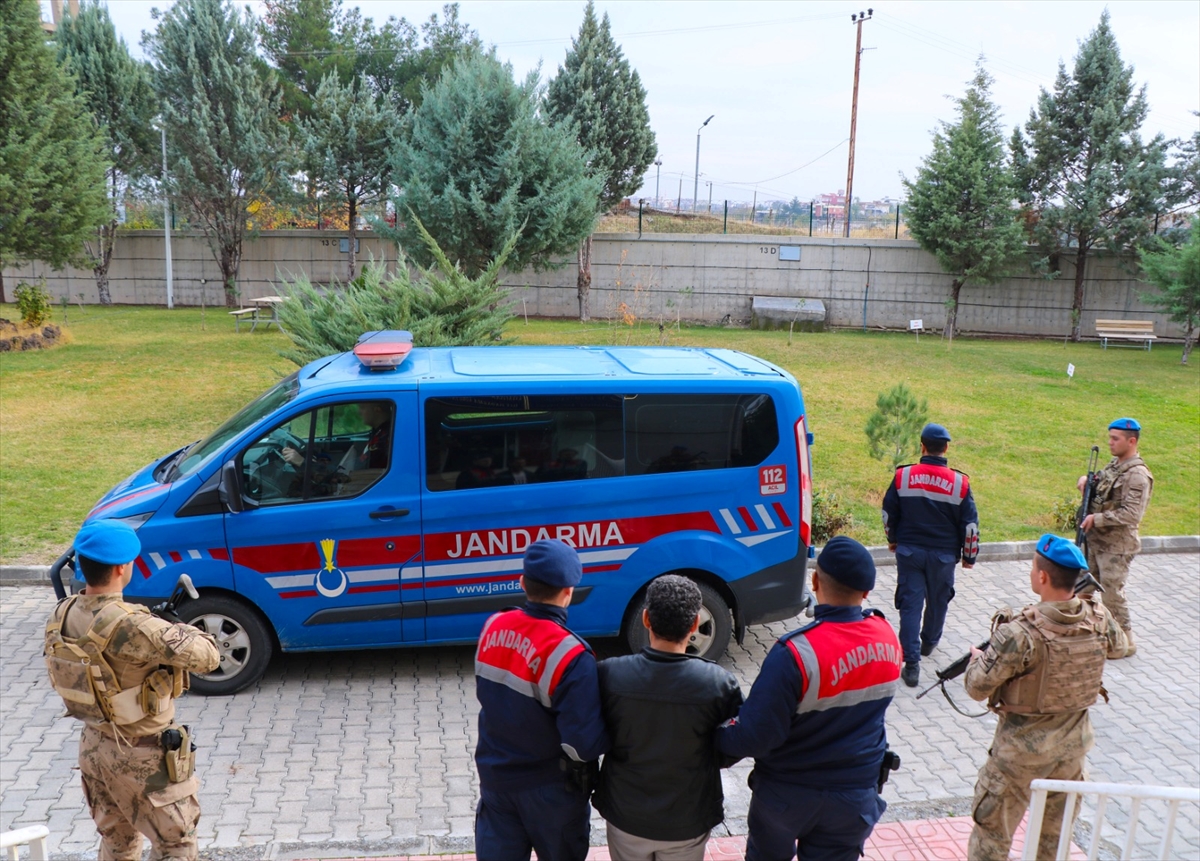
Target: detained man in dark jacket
[{"x": 660, "y": 785}]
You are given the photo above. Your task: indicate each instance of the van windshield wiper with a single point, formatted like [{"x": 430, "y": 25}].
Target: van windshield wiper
[{"x": 168, "y": 469}]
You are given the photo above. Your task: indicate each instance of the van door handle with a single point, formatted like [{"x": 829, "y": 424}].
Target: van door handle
[{"x": 382, "y": 513}]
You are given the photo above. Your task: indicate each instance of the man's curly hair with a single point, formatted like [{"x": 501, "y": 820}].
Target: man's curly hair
[{"x": 673, "y": 603}]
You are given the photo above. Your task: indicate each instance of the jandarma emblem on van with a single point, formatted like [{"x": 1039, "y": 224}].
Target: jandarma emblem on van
[{"x": 330, "y": 571}]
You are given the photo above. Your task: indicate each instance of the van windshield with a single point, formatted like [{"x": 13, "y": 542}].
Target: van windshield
[{"x": 195, "y": 457}]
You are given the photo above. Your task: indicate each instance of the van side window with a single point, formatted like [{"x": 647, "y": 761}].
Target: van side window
[
  {"x": 497, "y": 441},
  {"x": 680, "y": 433},
  {"x": 332, "y": 451}
]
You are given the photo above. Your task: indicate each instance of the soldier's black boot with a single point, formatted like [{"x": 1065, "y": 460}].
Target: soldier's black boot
[
  {"x": 927, "y": 649},
  {"x": 911, "y": 674}
]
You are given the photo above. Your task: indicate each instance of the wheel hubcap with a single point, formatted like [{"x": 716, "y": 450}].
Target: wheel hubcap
[
  {"x": 701, "y": 641},
  {"x": 233, "y": 644}
]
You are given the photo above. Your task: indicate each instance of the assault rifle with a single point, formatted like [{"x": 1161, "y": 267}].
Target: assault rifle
[
  {"x": 167, "y": 610},
  {"x": 1086, "y": 579},
  {"x": 949, "y": 674}
]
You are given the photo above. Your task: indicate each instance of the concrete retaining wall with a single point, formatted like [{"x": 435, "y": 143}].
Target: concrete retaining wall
[{"x": 664, "y": 276}]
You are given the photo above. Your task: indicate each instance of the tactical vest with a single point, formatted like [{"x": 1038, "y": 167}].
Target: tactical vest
[
  {"x": 87, "y": 682},
  {"x": 1068, "y": 668}
]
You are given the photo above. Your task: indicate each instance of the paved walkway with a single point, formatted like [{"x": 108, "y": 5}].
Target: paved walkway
[{"x": 369, "y": 753}]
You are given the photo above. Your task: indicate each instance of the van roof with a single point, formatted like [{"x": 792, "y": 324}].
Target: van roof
[{"x": 544, "y": 363}]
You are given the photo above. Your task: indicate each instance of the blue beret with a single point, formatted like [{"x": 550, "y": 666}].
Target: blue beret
[
  {"x": 937, "y": 433},
  {"x": 848, "y": 562},
  {"x": 554, "y": 563},
  {"x": 109, "y": 542},
  {"x": 1125, "y": 425},
  {"x": 1060, "y": 551}
]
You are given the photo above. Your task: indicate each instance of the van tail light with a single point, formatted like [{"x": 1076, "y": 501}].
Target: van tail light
[{"x": 804, "y": 466}]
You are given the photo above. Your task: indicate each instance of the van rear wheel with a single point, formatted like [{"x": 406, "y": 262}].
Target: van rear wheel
[
  {"x": 711, "y": 638},
  {"x": 242, "y": 638}
]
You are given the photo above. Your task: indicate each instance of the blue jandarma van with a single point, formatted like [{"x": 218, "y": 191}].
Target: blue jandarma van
[{"x": 383, "y": 497}]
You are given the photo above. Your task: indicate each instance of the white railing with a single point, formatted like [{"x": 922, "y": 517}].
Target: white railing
[
  {"x": 34, "y": 835},
  {"x": 1076, "y": 790}
]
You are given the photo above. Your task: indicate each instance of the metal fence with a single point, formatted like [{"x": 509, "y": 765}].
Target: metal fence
[{"x": 740, "y": 217}]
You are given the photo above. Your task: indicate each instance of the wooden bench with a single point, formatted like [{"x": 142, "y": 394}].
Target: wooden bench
[
  {"x": 239, "y": 314},
  {"x": 1141, "y": 331}
]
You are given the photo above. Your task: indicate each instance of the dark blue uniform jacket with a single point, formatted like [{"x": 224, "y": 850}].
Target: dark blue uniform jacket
[
  {"x": 930, "y": 505},
  {"x": 815, "y": 715},
  {"x": 540, "y": 697}
]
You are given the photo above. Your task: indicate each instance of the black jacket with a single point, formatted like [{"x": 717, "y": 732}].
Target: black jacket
[{"x": 662, "y": 778}]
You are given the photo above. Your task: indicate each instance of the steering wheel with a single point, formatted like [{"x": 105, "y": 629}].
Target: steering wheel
[{"x": 281, "y": 438}]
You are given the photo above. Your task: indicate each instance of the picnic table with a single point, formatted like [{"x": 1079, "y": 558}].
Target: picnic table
[{"x": 264, "y": 310}]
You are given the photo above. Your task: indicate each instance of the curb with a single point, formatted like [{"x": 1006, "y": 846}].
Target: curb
[{"x": 990, "y": 551}]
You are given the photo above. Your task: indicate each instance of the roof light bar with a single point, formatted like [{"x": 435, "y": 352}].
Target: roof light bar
[{"x": 383, "y": 351}]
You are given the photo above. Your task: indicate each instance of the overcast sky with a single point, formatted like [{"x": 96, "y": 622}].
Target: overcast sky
[{"x": 778, "y": 76}]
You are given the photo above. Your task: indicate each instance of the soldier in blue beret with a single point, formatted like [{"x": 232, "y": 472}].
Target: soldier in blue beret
[
  {"x": 1119, "y": 500},
  {"x": 1041, "y": 671}
]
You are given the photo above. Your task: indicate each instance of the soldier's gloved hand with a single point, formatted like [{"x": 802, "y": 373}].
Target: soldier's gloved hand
[{"x": 166, "y": 614}]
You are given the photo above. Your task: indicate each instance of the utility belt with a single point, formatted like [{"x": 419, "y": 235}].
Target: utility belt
[{"x": 179, "y": 750}]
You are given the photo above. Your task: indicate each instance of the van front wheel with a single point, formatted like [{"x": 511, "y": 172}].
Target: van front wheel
[
  {"x": 242, "y": 639},
  {"x": 710, "y": 639}
]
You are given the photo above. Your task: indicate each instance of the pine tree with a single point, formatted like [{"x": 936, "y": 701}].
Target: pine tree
[
  {"x": 117, "y": 91},
  {"x": 476, "y": 163},
  {"x": 227, "y": 150},
  {"x": 893, "y": 430},
  {"x": 307, "y": 41},
  {"x": 1085, "y": 175},
  {"x": 1175, "y": 271},
  {"x": 602, "y": 97},
  {"x": 960, "y": 206},
  {"x": 441, "y": 306},
  {"x": 347, "y": 139},
  {"x": 52, "y": 163}
]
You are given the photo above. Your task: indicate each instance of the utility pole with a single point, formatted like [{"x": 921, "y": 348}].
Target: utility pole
[
  {"x": 657, "y": 173},
  {"x": 679, "y": 198},
  {"x": 710, "y": 197},
  {"x": 854, "y": 19},
  {"x": 696, "y": 184},
  {"x": 167, "y": 220}
]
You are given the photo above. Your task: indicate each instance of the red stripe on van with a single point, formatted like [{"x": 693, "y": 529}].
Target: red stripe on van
[
  {"x": 781, "y": 512},
  {"x": 360, "y": 552},
  {"x": 374, "y": 587},
  {"x": 219, "y": 553},
  {"x": 143, "y": 567},
  {"x": 594, "y": 569},
  {"x": 747, "y": 519},
  {"x": 273, "y": 558},
  {"x": 175, "y": 557},
  {"x": 307, "y": 593}
]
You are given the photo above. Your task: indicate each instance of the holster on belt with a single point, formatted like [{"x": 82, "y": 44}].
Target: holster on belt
[{"x": 180, "y": 753}]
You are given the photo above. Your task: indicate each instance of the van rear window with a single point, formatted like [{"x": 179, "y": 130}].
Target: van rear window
[{"x": 495, "y": 441}]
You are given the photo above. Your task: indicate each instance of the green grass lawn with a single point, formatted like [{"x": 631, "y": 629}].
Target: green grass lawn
[{"x": 135, "y": 383}]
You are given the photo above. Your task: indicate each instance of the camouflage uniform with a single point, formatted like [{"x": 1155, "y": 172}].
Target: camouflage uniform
[
  {"x": 1119, "y": 501},
  {"x": 124, "y": 770},
  {"x": 1027, "y": 747}
]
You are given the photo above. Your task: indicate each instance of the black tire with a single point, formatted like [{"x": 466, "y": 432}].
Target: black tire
[
  {"x": 709, "y": 641},
  {"x": 243, "y": 639}
]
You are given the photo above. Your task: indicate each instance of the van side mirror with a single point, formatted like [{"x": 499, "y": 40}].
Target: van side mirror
[{"x": 230, "y": 489}]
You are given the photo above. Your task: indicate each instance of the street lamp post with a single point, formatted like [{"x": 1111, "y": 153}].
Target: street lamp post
[
  {"x": 709, "y": 197},
  {"x": 657, "y": 173},
  {"x": 167, "y": 220},
  {"x": 696, "y": 185}
]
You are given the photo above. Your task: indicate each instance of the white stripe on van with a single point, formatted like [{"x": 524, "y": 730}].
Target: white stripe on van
[
  {"x": 730, "y": 522},
  {"x": 751, "y": 540},
  {"x": 195, "y": 554},
  {"x": 292, "y": 580},
  {"x": 482, "y": 567},
  {"x": 369, "y": 574},
  {"x": 590, "y": 557},
  {"x": 766, "y": 518},
  {"x": 157, "y": 560},
  {"x": 411, "y": 572}
]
